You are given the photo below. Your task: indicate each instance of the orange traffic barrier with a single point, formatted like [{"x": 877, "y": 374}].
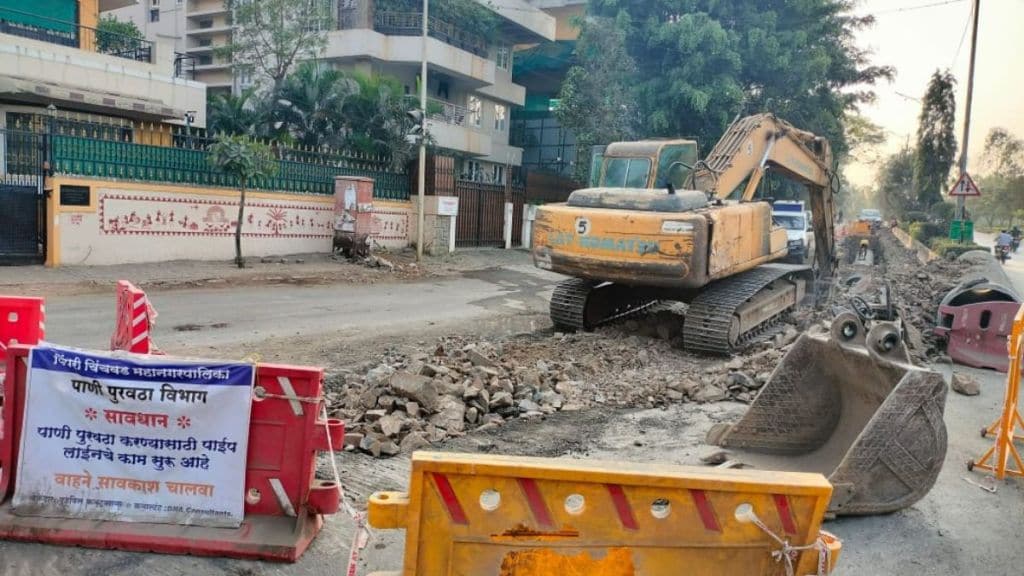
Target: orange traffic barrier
[
  {"x": 997, "y": 459},
  {"x": 511, "y": 516}
]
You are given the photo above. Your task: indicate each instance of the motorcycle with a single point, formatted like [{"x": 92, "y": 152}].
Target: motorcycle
[
  {"x": 1015, "y": 243},
  {"x": 1003, "y": 254}
]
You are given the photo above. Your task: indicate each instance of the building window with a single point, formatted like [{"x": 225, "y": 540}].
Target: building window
[
  {"x": 500, "y": 118},
  {"x": 472, "y": 171},
  {"x": 476, "y": 109},
  {"x": 497, "y": 174},
  {"x": 154, "y": 15},
  {"x": 503, "y": 58}
]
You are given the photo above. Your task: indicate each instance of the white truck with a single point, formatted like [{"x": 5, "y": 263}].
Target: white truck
[{"x": 796, "y": 219}]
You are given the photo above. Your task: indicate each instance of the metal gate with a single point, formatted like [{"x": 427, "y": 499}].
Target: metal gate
[
  {"x": 22, "y": 203},
  {"x": 481, "y": 220}
]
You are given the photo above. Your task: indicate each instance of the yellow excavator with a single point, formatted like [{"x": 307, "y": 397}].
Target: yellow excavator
[{"x": 661, "y": 225}]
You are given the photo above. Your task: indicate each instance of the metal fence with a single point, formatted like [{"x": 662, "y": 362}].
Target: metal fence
[
  {"x": 302, "y": 171},
  {"x": 22, "y": 213},
  {"x": 72, "y": 34}
]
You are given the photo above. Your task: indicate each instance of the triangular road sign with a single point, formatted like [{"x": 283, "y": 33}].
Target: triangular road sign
[{"x": 965, "y": 186}]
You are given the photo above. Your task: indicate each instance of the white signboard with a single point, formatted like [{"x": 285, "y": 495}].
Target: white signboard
[
  {"x": 447, "y": 205},
  {"x": 117, "y": 436}
]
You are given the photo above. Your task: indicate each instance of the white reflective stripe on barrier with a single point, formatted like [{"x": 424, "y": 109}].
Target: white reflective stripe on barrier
[
  {"x": 289, "y": 392},
  {"x": 282, "y": 497}
]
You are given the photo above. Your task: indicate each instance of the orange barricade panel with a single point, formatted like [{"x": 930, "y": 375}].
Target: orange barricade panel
[
  {"x": 487, "y": 515},
  {"x": 284, "y": 506}
]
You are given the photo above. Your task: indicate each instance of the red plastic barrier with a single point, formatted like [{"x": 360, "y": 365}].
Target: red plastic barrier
[
  {"x": 134, "y": 320},
  {"x": 976, "y": 333},
  {"x": 284, "y": 506},
  {"x": 22, "y": 321}
]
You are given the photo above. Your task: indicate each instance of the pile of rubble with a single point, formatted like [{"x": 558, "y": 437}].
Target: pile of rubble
[
  {"x": 918, "y": 290},
  {"x": 407, "y": 402}
]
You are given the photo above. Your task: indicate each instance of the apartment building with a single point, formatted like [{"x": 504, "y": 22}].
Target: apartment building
[
  {"x": 469, "y": 80},
  {"x": 208, "y": 26},
  {"x": 541, "y": 69},
  {"x": 52, "y": 57},
  {"x": 159, "y": 20},
  {"x": 59, "y": 75}
]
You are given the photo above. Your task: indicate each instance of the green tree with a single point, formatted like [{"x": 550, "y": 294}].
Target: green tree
[
  {"x": 936, "y": 142},
  {"x": 702, "y": 62},
  {"x": 595, "y": 100},
  {"x": 114, "y": 36},
  {"x": 863, "y": 138},
  {"x": 243, "y": 159},
  {"x": 231, "y": 114},
  {"x": 310, "y": 106},
  {"x": 376, "y": 120},
  {"x": 272, "y": 36},
  {"x": 896, "y": 184},
  {"x": 1002, "y": 182}
]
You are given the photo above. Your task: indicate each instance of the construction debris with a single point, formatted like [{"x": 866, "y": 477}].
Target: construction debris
[
  {"x": 409, "y": 401},
  {"x": 965, "y": 384}
]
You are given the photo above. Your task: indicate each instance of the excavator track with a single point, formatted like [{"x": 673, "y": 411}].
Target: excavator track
[
  {"x": 709, "y": 319},
  {"x": 579, "y": 304}
]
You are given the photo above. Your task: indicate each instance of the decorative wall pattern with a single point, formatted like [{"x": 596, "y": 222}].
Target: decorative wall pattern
[
  {"x": 390, "y": 224},
  {"x": 133, "y": 215}
]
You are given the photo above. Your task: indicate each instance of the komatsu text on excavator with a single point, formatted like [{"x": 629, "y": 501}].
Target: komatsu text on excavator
[{"x": 661, "y": 226}]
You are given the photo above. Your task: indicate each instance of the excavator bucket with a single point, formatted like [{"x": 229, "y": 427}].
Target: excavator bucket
[{"x": 853, "y": 409}]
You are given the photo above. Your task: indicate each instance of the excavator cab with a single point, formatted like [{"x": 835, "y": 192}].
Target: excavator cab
[{"x": 646, "y": 164}]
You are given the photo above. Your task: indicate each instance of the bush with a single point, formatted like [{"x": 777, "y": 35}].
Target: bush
[
  {"x": 924, "y": 232},
  {"x": 915, "y": 216},
  {"x": 949, "y": 249},
  {"x": 942, "y": 211}
]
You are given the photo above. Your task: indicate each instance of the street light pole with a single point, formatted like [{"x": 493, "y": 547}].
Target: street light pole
[
  {"x": 422, "y": 173},
  {"x": 960, "y": 200}
]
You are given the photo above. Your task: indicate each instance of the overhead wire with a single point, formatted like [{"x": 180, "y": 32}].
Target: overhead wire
[
  {"x": 963, "y": 36},
  {"x": 917, "y": 7}
]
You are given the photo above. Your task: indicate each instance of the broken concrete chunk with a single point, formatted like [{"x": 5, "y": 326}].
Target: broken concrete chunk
[
  {"x": 965, "y": 384},
  {"x": 419, "y": 389}
]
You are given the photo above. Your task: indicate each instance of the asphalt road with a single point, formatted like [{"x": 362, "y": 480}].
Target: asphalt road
[
  {"x": 1014, "y": 267},
  {"x": 214, "y": 317}
]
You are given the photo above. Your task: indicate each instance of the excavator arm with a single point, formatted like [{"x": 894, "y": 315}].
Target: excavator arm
[{"x": 756, "y": 143}]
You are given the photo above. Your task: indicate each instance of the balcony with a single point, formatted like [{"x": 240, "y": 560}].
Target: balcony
[
  {"x": 411, "y": 24},
  {"x": 70, "y": 34}
]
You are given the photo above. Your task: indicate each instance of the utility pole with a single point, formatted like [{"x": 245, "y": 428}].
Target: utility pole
[
  {"x": 422, "y": 174},
  {"x": 960, "y": 200}
]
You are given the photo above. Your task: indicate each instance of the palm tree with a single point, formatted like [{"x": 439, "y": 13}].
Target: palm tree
[
  {"x": 231, "y": 114},
  {"x": 311, "y": 105},
  {"x": 376, "y": 120}
]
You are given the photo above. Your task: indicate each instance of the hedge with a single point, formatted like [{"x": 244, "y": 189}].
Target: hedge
[{"x": 949, "y": 249}]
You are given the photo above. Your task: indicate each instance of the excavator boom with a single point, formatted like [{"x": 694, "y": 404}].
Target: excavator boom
[{"x": 755, "y": 144}]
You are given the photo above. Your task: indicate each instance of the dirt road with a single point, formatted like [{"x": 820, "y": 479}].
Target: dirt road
[{"x": 956, "y": 529}]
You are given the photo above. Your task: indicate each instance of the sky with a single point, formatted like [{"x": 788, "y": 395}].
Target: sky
[{"x": 918, "y": 36}]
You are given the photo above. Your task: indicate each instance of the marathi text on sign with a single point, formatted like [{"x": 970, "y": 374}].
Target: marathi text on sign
[{"x": 134, "y": 438}]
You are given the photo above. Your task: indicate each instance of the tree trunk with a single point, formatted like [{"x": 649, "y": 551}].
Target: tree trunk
[{"x": 239, "y": 261}]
